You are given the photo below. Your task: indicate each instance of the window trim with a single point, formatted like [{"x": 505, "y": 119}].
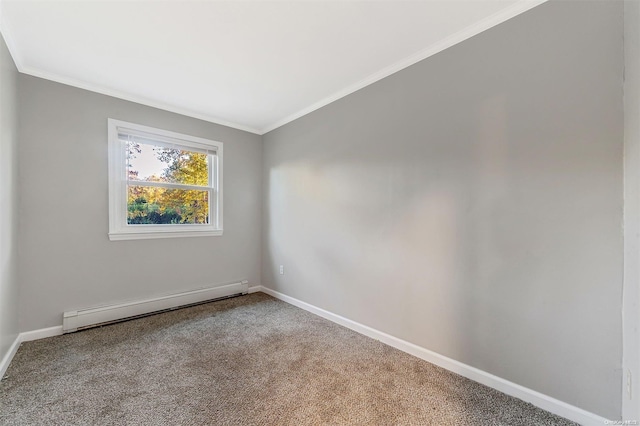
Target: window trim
[{"x": 118, "y": 227}]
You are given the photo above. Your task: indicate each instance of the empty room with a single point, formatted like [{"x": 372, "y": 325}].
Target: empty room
[{"x": 320, "y": 212}]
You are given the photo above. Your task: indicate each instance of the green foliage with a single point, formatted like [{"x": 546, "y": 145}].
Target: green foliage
[
  {"x": 140, "y": 212},
  {"x": 154, "y": 205}
]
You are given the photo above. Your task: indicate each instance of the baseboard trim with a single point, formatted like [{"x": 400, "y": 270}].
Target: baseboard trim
[
  {"x": 26, "y": 336},
  {"x": 91, "y": 317},
  {"x": 42, "y": 333},
  {"x": 58, "y": 330},
  {"x": 536, "y": 398},
  {"x": 6, "y": 360}
]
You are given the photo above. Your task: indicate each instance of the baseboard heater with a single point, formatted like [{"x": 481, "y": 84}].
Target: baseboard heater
[{"x": 87, "y": 318}]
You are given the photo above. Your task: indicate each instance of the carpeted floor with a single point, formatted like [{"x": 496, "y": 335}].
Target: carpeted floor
[{"x": 251, "y": 360}]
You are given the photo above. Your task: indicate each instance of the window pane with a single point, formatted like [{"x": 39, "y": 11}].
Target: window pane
[
  {"x": 154, "y": 163},
  {"x": 158, "y": 206}
]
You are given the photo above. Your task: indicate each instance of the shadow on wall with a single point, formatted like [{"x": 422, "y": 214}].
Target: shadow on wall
[
  {"x": 450, "y": 245},
  {"x": 473, "y": 210}
]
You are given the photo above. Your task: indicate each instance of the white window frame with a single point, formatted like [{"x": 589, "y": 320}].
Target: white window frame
[{"x": 119, "y": 229}]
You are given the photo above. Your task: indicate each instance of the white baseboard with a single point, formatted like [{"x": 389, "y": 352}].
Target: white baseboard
[
  {"x": 26, "y": 336},
  {"x": 6, "y": 360},
  {"x": 42, "y": 333},
  {"x": 90, "y": 317},
  {"x": 538, "y": 399}
]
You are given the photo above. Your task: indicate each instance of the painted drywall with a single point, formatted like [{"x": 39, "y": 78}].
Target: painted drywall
[
  {"x": 8, "y": 201},
  {"x": 471, "y": 204},
  {"x": 631, "y": 292},
  {"x": 66, "y": 259}
]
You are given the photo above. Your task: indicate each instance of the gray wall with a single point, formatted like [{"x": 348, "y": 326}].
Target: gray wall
[
  {"x": 631, "y": 296},
  {"x": 471, "y": 204},
  {"x": 8, "y": 201},
  {"x": 67, "y": 261}
]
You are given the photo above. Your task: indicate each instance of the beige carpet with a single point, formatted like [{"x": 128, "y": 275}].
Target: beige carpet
[{"x": 251, "y": 360}]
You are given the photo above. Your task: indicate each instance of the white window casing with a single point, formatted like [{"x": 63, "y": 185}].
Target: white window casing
[{"x": 119, "y": 229}]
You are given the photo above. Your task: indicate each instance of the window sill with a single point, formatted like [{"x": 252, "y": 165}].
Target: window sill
[{"x": 122, "y": 236}]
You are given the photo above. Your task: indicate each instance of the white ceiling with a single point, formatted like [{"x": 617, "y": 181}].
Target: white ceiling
[{"x": 253, "y": 65}]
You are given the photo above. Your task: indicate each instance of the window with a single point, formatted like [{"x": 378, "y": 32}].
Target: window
[{"x": 162, "y": 184}]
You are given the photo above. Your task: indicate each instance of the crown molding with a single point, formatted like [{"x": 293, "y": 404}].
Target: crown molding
[
  {"x": 520, "y": 7},
  {"x": 460, "y": 36},
  {"x": 133, "y": 98},
  {"x": 5, "y": 29}
]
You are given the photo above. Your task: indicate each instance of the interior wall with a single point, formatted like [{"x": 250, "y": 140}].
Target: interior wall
[
  {"x": 67, "y": 261},
  {"x": 631, "y": 295},
  {"x": 471, "y": 204},
  {"x": 8, "y": 201}
]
